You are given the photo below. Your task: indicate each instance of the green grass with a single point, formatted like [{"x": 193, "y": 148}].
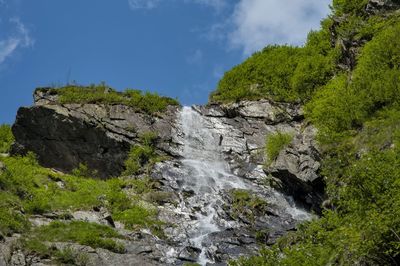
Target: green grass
[
  {"x": 275, "y": 143},
  {"x": 247, "y": 204},
  {"x": 36, "y": 190},
  {"x": 12, "y": 219},
  {"x": 6, "y": 138},
  {"x": 84, "y": 233},
  {"x": 147, "y": 102},
  {"x": 143, "y": 156}
]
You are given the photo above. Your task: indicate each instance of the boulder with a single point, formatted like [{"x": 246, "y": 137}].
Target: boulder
[{"x": 297, "y": 168}]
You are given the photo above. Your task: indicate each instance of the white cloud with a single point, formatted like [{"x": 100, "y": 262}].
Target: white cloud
[
  {"x": 143, "y": 4},
  {"x": 7, "y": 47},
  {"x": 195, "y": 58},
  {"x": 218, "y": 5},
  {"x": 20, "y": 38},
  {"x": 22, "y": 32},
  {"x": 257, "y": 23}
]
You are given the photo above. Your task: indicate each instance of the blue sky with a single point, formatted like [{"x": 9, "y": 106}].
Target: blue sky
[{"x": 179, "y": 48}]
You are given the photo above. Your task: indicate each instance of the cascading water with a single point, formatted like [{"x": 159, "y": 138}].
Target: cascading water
[
  {"x": 208, "y": 173},
  {"x": 208, "y": 177}
]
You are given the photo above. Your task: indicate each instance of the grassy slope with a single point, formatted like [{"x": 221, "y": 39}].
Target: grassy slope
[{"x": 28, "y": 189}]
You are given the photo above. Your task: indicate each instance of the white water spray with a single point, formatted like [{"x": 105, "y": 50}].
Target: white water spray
[{"x": 209, "y": 174}]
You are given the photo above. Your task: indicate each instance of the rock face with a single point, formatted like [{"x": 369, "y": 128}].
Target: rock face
[
  {"x": 243, "y": 128},
  {"x": 98, "y": 135},
  {"x": 213, "y": 150}
]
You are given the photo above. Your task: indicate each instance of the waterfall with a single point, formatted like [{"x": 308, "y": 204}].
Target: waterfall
[
  {"x": 209, "y": 177},
  {"x": 208, "y": 174}
]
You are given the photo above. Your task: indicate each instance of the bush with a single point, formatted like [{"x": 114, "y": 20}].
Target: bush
[
  {"x": 142, "y": 158},
  {"x": 281, "y": 73},
  {"x": 265, "y": 73},
  {"x": 354, "y": 7},
  {"x": 6, "y": 138},
  {"x": 275, "y": 143},
  {"x": 377, "y": 76}
]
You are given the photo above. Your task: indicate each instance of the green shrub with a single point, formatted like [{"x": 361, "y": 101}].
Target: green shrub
[
  {"x": 265, "y": 73},
  {"x": 66, "y": 256},
  {"x": 26, "y": 185},
  {"x": 147, "y": 102},
  {"x": 84, "y": 171},
  {"x": 138, "y": 216},
  {"x": 11, "y": 218},
  {"x": 354, "y": 7},
  {"x": 377, "y": 76},
  {"x": 275, "y": 143},
  {"x": 84, "y": 233},
  {"x": 247, "y": 204},
  {"x": 6, "y": 138},
  {"x": 142, "y": 158},
  {"x": 281, "y": 73}
]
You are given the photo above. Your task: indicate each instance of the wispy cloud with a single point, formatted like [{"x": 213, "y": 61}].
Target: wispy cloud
[
  {"x": 195, "y": 57},
  {"x": 143, "y": 4},
  {"x": 20, "y": 38},
  {"x": 218, "y": 5},
  {"x": 7, "y": 47},
  {"x": 260, "y": 22}
]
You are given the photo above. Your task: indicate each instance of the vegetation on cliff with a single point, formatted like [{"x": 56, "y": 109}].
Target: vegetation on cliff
[
  {"x": 6, "y": 138},
  {"x": 350, "y": 89},
  {"x": 27, "y": 190},
  {"x": 147, "y": 102},
  {"x": 275, "y": 143}
]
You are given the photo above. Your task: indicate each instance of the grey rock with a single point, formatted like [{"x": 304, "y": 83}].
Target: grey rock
[
  {"x": 100, "y": 217},
  {"x": 18, "y": 258},
  {"x": 98, "y": 135},
  {"x": 377, "y": 6},
  {"x": 189, "y": 254},
  {"x": 297, "y": 167}
]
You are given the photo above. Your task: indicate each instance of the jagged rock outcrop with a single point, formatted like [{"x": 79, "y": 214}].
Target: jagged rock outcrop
[
  {"x": 243, "y": 128},
  {"x": 64, "y": 135}
]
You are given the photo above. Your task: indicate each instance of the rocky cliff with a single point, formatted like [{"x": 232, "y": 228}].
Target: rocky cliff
[
  {"x": 226, "y": 200},
  {"x": 99, "y": 135}
]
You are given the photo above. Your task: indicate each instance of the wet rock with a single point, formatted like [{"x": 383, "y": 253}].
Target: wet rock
[
  {"x": 190, "y": 254},
  {"x": 226, "y": 245}
]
